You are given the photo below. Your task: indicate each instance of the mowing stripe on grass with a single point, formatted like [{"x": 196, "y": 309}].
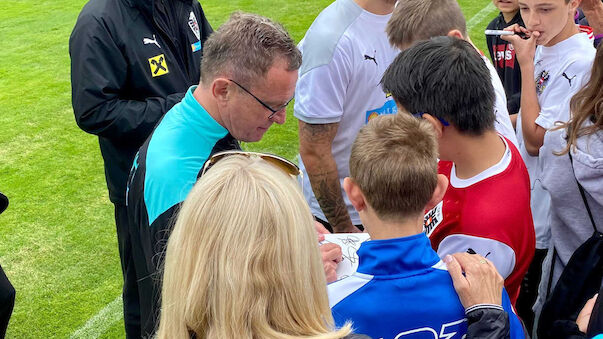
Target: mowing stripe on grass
[
  {"x": 481, "y": 15},
  {"x": 113, "y": 312},
  {"x": 100, "y": 323}
]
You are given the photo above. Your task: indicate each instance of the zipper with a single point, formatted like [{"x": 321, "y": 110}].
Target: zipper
[{"x": 170, "y": 41}]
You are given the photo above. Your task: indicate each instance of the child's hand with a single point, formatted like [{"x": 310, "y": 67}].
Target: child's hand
[{"x": 524, "y": 48}]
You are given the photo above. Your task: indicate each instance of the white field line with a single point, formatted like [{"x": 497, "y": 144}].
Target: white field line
[
  {"x": 100, "y": 322},
  {"x": 481, "y": 15},
  {"x": 113, "y": 312}
]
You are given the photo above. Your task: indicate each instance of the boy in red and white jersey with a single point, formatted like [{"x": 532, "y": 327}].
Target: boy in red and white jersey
[
  {"x": 487, "y": 212},
  {"x": 486, "y": 208}
]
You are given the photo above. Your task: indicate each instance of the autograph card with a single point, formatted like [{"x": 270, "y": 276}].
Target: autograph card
[{"x": 350, "y": 243}]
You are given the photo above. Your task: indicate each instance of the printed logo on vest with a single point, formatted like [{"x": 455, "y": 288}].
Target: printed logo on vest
[
  {"x": 149, "y": 41},
  {"x": 433, "y": 218},
  {"x": 194, "y": 25},
  {"x": 196, "y": 46},
  {"x": 389, "y": 107},
  {"x": 158, "y": 65}
]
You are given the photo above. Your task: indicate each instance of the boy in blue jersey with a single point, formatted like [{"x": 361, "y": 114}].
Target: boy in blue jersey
[{"x": 401, "y": 288}]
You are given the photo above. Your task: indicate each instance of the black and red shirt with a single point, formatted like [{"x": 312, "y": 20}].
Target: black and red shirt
[{"x": 502, "y": 54}]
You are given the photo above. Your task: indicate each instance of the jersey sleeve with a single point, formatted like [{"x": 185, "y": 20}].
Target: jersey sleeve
[
  {"x": 320, "y": 92},
  {"x": 567, "y": 83},
  {"x": 501, "y": 254}
]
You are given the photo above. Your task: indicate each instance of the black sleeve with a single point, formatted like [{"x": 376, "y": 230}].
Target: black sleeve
[
  {"x": 488, "y": 323},
  {"x": 565, "y": 329},
  {"x": 98, "y": 73}
]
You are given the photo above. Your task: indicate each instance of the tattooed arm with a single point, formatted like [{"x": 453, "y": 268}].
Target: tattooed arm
[{"x": 315, "y": 141}]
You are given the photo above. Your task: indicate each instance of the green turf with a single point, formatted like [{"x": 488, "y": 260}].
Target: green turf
[{"x": 57, "y": 239}]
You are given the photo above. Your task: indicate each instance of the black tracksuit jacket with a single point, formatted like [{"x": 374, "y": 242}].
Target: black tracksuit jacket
[{"x": 131, "y": 61}]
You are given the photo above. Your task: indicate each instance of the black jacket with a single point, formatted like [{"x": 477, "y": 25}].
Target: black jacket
[
  {"x": 503, "y": 58},
  {"x": 488, "y": 323},
  {"x": 131, "y": 61}
]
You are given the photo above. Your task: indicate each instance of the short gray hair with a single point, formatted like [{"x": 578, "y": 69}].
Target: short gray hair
[{"x": 245, "y": 47}]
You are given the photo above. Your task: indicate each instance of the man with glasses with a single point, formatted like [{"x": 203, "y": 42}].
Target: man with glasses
[{"x": 248, "y": 74}]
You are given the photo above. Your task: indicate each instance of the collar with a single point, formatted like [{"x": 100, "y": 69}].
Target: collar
[
  {"x": 397, "y": 257},
  {"x": 147, "y": 6},
  {"x": 196, "y": 116},
  {"x": 495, "y": 169},
  {"x": 516, "y": 19}
]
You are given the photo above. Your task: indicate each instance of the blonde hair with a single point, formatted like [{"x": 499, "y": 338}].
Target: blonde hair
[
  {"x": 394, "y": 162},
  {"x": 415, "y": 20},
  {"x": 243, "y": 259}
]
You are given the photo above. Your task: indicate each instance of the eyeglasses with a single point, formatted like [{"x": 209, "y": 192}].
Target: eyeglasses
[
  {"x": 274, "y": 111},
  {"x": 287, "y": 166},
  {"x": 420, "y": 115}
]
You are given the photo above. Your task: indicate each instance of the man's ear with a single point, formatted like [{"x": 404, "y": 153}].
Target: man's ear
[
  {"x": 574, "y": 4},
  {"x": 455, "y": 33},
  {"x": 354, "y": 194},
  {"x": 435, "y": 122},
  {"x": 221, "y": 89},
  {"x": 438, "y": 193}
]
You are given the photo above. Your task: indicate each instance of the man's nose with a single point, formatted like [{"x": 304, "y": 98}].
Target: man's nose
[{"x": 280, "y": 116}]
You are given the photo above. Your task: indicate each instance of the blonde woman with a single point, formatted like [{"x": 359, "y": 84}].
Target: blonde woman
[{"x": 243, "y": 260}]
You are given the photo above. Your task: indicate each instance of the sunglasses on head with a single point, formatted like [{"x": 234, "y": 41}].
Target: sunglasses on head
[{"x": 285, "y": 165}]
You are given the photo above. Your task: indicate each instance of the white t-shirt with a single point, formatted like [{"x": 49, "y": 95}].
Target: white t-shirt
[
  {"x": 559, "y": 72},
  {"x": 345, "y": 53},
  {"x": 502, "y": 124}
]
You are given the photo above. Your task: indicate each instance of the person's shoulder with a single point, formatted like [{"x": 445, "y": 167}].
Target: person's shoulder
[
  {"x": 100, "y": 10},
  {"x": 325, "y": 34},
  {"x": 332, "y": 22},
  {"x": 578, "y": 52}
]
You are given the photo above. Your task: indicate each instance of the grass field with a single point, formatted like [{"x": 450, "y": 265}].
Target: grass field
[{"x": 57, "y": 239}]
